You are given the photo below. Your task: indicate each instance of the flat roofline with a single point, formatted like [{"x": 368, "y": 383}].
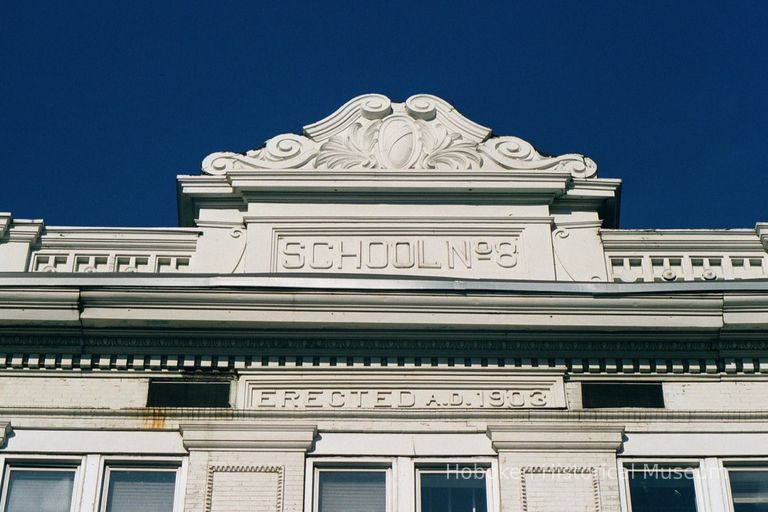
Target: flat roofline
[{"x": 365, "y": 283}]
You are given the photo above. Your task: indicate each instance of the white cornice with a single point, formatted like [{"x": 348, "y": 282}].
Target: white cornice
[
  {"x": 151, "y": 239},
  {"x": 289, "y": 281},
  {"x": 157, "y": 306},
  {"x": 213, "y": 436},
  {"x": 562, "y": 437},
  {"x": 108, "y": 301},
  {"x": 22, "y": 230},
  {"x": 687, "y": 240}
]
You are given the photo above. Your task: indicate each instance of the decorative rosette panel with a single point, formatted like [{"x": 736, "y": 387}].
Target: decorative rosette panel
[{"x": 371, "y": 132}]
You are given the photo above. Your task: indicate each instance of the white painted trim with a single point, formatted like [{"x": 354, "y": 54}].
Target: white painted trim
[
  {"x": 45, "y": 463},
  {"x": 247, "y": 436},
  {"x": 695, "y": 444},
  {"x": 38, "y": 441},
  {"x": 403, "y": 444},
  {"x": 402, "y": 477}
]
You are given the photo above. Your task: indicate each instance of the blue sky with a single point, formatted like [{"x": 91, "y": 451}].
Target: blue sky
[{"x": 102, "y": 104}]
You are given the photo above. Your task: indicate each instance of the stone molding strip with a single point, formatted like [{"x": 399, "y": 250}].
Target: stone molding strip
[
  {"x": 217, "y": 436},
  {"x": 225, "y": 363},
  {"x": 563, "y": 437},
  {"x": 287, "y": 281},
  {"x": 653, "y": 420}
]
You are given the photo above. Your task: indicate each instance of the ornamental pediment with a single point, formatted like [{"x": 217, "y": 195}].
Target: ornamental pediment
[{"x": 372, "y": 132}]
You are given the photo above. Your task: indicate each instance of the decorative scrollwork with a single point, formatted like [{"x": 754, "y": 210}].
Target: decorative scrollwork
[
  {"x": 376, "y": 106},
  {"x": 371, "y": 132},
  {"x": 516, "y": 154},
  {"x": 286, "y": 151},
  {"x": 422, "y": 106}
]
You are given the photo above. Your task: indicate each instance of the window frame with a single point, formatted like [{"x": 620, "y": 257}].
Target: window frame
[
  {"x": 43, "y": 463},
  {"x": 738, "y": 465},
  {"x": 174, "y": 465},
  {"x": 486, "y": 468},
  {"x": 182, "y": 380},
  {"x": 694, "y": 464},
  {"x": 402, "y": 477},
  {"x": 368, "y": 464}
]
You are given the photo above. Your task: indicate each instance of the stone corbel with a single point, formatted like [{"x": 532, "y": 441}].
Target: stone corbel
[
  {"x": 5, "y": 431},
  {"x": 569, "y": 437},
  {"x": 247, "y": 437},
  {"x": 762, "y": 233}
]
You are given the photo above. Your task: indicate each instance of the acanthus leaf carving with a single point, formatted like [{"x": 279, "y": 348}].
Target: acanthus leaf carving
[
  {"x": 444, "y": 150},
  {"x": 425, "y": 132},
  {"x": 353, "y": 150}
]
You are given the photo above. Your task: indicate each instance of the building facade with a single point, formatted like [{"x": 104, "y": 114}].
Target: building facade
[{"x": 396, "y": 311}]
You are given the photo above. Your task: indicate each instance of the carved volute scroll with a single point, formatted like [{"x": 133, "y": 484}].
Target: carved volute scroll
[{"x": 371, "y": 132}]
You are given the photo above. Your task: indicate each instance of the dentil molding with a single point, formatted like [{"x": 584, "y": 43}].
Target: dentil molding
[{"x": 372, "y": 132}]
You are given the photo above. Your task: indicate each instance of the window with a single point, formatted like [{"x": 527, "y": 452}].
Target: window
[
  {"x": 378, "y": 484},
  {"x": 621, "y": 394},
  {"x": 181, "y": 393},
  {"x": 455, "y": 490},
  {"x": 128, "y": 489},
  {"x": 352, "y": 491},
  {"x": 749, "y": 489},
  {"x": 38, "y": 489},
  {"x": 654, "y": 488}
]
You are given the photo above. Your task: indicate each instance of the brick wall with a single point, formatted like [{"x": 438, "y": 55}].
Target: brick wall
[
  {"x": 727, "y": 395},
  {"x": 73, "y": 391},
  {"x": 224, "y": 481},
  {"x": 558, "y": 481}
]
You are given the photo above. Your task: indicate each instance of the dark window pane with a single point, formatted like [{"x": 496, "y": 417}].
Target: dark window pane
[
  {"x": 662, "y": 490},
  {"x": 620, "y": 394},
  {"x": 40, "y": 491},
  {"x": 749, "y": 490},
  {"x": 453, "y": 492},
  {"x": 352, "y": 491},
  {"x": 188, "y": 394},
  {"x": 148, "y": 491}
]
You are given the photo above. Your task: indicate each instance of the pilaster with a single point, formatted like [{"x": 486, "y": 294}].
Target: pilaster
[
  {"x": 235, "y": 465},
  {"x": 16, "y": 239},
  {"x": 554, "y": 467}
]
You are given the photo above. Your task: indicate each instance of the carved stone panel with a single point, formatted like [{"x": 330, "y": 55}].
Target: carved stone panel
[
  {"x": 384, "y": 390},
  {"x": 481, "y": 248},
  {"x": 238, "y": 488},
  {"x": 548, "y": 489},
  {"x": 372, "y": 132},
  {"x": 484, "y": 256}
]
